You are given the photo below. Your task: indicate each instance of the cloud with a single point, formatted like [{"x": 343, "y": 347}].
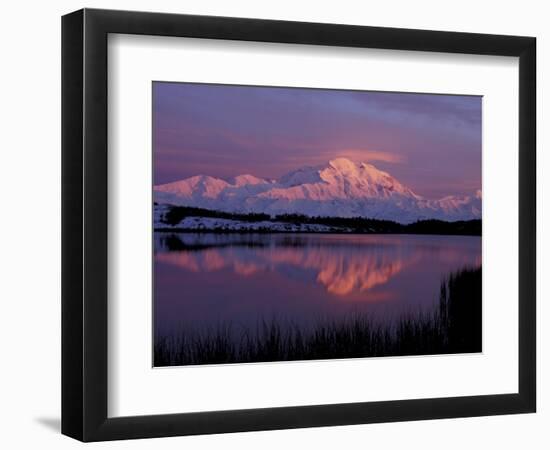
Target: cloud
[
  {"x": 364, "y": 155},
  {"x": 315, "y": 156}
]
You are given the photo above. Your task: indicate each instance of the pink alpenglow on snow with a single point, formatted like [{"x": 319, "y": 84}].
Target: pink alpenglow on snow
[{"x": 340, "y": 188}]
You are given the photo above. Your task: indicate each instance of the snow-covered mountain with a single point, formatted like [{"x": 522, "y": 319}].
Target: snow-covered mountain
[{"x": 341, "y": 188}]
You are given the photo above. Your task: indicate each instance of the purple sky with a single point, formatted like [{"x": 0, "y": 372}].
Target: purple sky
[{"x": 432, "y": 143}]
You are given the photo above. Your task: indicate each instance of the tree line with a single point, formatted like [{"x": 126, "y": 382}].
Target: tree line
[{"x": 175, "y": 214}]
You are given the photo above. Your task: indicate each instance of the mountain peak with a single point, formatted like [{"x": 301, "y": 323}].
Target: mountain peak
[
  {"x": 348, "y": 167},
  {"x": 343, "y": 164},
  {"x": 242, "y": 180},
  {"x": 368, "y": 166}
]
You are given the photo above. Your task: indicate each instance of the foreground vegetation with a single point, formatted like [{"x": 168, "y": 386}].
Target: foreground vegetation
[
  {"x": 175, "y": 214},
  {"x": 453, "y": 327}
]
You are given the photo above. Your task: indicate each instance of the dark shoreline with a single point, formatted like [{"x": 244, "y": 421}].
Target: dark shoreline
[
  {"x": 174, "y": 215},
  {"x": 260, "y": 231}
]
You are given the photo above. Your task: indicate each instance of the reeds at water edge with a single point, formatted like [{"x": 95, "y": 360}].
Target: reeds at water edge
[{"x": 454, "y": 326}]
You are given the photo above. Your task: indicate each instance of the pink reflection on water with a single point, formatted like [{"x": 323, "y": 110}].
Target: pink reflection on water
[
  {"x": 340, "y": 281},
  {"x": 342, "y": 266},
  {"x": 205, "y": 279}
]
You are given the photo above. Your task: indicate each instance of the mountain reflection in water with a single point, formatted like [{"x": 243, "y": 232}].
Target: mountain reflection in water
[
  {"x": 343, "y": 266},
  {"x": 205, "y": 279}
]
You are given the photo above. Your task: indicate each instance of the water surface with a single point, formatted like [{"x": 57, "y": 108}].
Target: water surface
[{"x": 203, "y": 280}]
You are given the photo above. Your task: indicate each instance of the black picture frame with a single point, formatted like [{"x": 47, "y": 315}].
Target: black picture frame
[{"x": 84, "y": 224}]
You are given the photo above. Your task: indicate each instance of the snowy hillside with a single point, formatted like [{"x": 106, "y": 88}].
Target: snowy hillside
[{"x": 198, "y": 223}]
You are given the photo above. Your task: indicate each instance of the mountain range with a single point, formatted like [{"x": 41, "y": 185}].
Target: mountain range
[{"x": 341, "y": 188}]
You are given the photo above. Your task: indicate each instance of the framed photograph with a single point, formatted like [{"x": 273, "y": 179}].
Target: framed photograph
[{"x": 273, "y": 224}]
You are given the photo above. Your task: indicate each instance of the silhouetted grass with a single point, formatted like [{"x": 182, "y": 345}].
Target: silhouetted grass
[{"x": 453, "y": 327}]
